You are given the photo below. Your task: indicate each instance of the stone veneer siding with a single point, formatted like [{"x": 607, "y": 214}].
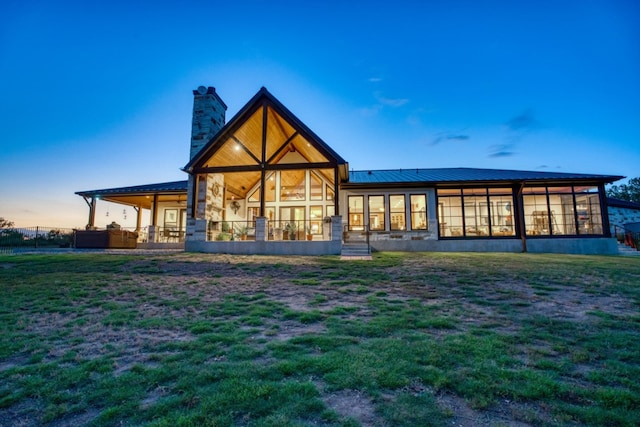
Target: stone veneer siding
[{"x": 621, "y": 216}]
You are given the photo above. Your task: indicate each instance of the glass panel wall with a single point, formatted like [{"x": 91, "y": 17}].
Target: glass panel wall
[
  {"x": 476, "y": 212},
  {"x": 562, "y": 211},
  {"x": 376, "y": 213},
  {"x": 397, "y": 212}
]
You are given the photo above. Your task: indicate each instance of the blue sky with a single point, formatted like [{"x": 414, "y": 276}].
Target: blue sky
[{"x": 99, "y": 94}]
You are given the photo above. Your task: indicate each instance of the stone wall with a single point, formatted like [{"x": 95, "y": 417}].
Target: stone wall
[
  {"x": 208, "y": 117},
  {"x": 621, "y": 216}
]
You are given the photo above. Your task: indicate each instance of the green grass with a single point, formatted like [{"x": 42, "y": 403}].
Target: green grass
[{"x": 192, "y": 339}]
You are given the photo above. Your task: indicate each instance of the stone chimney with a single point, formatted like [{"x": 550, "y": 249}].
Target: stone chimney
[{"x": 208, "y": 117}]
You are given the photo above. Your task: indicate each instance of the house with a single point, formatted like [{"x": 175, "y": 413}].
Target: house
[{"x": 263, "y": 182}]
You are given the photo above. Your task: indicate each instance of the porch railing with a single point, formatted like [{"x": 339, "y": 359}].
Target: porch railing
[{"x": 299, "y": 230}]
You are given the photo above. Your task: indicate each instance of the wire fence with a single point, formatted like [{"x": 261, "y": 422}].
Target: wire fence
[{"x": 36, "y": 237}]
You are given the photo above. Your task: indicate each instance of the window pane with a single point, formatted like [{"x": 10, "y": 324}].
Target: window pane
[
  {"x": 418, "y": 212},
  {"x": 397, "y": 212},
  {"x": 255, "y": 196},
  {"x": 449, "y": 192},
  {"x": 500, "y": 191},
  {"x": 331, "y": 210},
  {"x": 270, "y": 189},
  {"x": 356, "y": 212},
  {"x": 556, "y": 190},
  {"x": 376, "y": 212},
  {"x": 450, "y": 216},
  {"x": 330, "y": 193},
  {"x": 589, "y": 214},
  {"x": 476, "y": 216},
  {"x": 562, "y": 214},
  {"x": 534, "y": 190},
  {"x": 315, "y": 219},
  {"x": 501, "y": 215},
  {"x": 316, "y": 186},
  {"x": 474, "y": 191},
  {"x": 536, "y": 215},
  {"x": 292, "y": 185}
]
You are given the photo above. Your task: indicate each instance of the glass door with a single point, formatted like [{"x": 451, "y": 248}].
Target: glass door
[{"x": 292, "y": 222}]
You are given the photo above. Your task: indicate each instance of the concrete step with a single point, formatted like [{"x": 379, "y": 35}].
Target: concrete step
[
  {"x": 627, "y": 250},
  {"x": 354, "y": 251}
]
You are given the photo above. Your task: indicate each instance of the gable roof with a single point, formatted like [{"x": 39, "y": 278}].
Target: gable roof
[
  {"x": 464, "y": 175},
  {"x": 245, "y": 113}
]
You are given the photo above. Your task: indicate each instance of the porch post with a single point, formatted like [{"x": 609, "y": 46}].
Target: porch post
[
  {"x": 138, "y": 217},
  {"x": 154, "y": 213},
  {"x": 92, "y": 212},
  {"x": 518, "y": 215}
]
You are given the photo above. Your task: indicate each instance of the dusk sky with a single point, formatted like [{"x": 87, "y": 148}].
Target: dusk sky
[{"x": 99, "y": 94}]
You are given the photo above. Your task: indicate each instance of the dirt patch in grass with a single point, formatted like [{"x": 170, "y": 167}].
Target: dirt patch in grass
[{"x": 353, "y": 404}]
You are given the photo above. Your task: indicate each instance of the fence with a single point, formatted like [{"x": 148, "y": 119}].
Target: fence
[{"x": 36, "y": 237}]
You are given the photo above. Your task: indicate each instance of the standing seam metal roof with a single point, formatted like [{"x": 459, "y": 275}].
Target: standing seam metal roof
[{"x": 449, "y": 175}]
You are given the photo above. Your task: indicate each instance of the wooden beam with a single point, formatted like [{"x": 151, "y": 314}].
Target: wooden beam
[
  {"x": 245, "y": 148},
  {"x": 282, "y": 147},
  {"x": 258, "y": 168}
]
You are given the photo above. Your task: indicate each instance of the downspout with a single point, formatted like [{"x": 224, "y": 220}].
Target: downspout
[{"x": 521, "y": 227}]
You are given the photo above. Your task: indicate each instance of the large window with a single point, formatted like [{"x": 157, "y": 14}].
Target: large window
[
  {"x": 562, "y": 211},
  {"x": 476, "y": 212},
  {"x": 418, "y": 212},
  {"x": 397, "y": 212},
  {"x": 376, "y": 213},
  {"x": 356, "y": 212}
]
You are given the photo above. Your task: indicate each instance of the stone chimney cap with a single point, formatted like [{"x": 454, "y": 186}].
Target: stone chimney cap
[{"x": 202, "y": 90}]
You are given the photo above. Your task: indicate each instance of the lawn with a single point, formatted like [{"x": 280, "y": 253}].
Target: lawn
[{"x": 404, "y": 340}]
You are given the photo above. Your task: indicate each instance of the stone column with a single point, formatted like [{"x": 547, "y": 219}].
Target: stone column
[
  {"x": 336, "y": 228},
  {"x": 262, "y": 231}
]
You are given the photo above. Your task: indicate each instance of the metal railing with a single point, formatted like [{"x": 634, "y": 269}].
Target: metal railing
[
  {"x": 231, "y": 230},
  {"x": 168, "y": 235},
  {"x": 299, "y": 230}
]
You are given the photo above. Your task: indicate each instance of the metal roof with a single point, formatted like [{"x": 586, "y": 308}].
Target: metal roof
[
  {"x": 163, "y": 187},
  {"x": 465, "y": 175},
  {"x": 619, "y": 203}
]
